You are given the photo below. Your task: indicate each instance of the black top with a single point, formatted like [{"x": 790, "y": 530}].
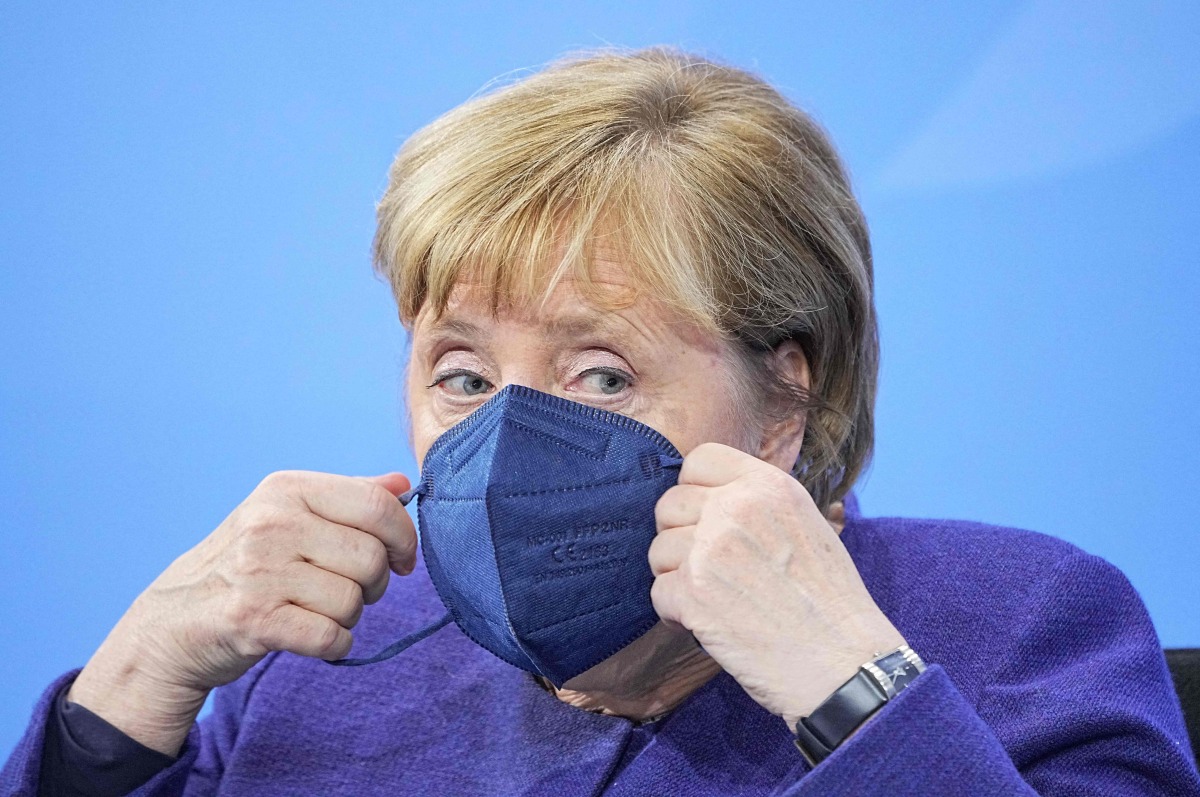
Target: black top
[{"x": 85, "y": 756}]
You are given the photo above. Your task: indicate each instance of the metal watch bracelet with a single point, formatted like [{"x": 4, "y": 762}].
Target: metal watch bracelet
[{"x": 855, "y": 701}]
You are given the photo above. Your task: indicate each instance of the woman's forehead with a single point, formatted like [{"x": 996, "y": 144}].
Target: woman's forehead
[
  {"x": 565, "y": 309},
  {"x": 609, "y": 305}
]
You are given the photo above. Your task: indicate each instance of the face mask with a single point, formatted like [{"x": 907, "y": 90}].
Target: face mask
[{"x": 536, "y": 515}]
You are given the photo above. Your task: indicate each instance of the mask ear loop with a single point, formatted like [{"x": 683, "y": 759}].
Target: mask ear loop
[
  {"x": 403, "y": 644},
  {"x": 399, "y": 646}
]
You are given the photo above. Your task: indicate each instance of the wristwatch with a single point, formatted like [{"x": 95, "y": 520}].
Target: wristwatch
[{"x": 875, "y": 683}]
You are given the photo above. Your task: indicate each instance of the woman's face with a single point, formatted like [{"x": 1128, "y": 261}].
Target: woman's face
[{"x": 644, "y": 361}]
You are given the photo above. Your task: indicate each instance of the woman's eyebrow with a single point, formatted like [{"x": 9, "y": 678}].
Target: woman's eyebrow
[
  {"x": 454, "y": 326},
  {"x": 557, "y": 328}
]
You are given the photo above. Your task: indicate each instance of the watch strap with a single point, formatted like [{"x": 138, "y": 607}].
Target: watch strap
[
  {"x": 818, "y": 734},
  {"x": 853, "y": 703}
]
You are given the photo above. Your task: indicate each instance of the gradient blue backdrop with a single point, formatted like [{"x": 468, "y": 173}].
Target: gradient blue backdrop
[{"x": 186, "y": 208}]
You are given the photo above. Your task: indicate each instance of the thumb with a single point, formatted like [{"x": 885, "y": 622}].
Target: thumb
[{"x": 394, "y": 483}]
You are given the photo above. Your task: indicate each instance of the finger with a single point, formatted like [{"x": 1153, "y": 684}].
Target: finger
[
  {"x": 322, "y": 592},
  {"x": 394, "y": 483},
  {"x": 679, "y": 506},
  {"x": 298, "y": 630},
  {"x": 358, "y": 503},
  {"x": 715, "y": 465},
  {"x": 664, "y": 594},
  {"x": 670, "y": 549},
  {"x": 347, "y": 552}
]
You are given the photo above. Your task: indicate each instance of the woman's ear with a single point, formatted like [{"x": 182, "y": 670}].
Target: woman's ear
[{"x": 783, "y": 436}]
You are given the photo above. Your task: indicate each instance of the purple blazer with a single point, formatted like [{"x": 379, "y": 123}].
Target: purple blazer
[{"x": 1046, "y": 677}]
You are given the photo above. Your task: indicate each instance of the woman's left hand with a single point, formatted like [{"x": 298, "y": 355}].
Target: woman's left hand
[{"x": 745, "y": 561}]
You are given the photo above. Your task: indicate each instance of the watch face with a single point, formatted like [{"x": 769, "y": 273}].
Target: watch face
[{"x": 898, "y": 669}]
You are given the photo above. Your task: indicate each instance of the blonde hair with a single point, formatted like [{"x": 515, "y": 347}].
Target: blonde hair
[{"x": 720, "y": 198}]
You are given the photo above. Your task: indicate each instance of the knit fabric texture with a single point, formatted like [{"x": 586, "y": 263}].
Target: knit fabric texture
[{"x": 1045, "y": 677}]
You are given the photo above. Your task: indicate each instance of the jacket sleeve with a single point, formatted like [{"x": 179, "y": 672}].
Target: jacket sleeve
[
  {"x": 197, "y": 770},
  {"x": 1082, "y": 704}
]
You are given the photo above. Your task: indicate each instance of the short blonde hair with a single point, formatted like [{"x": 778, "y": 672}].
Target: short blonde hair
[{"x": 722, "y": 199}]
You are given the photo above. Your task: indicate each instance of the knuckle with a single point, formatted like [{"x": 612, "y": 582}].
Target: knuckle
[
  {"x": 668, "y": 500},
  {"x": 378, "y": 576},
  {"x": 719, "y": 550},
  {"x": 738, "y": 503},
  {"x": 705, "y": 455},
  {"x": 381, "y": 506},
  {"x": 244, "y": 613},
  {"x": 777, "y": 479},
  {"x": 654, "y": 556},
  {"x": 666, "y": 601},
  {"x": 235, "y": 627},
  {"x": 662, "y": 504},
  {"x": 249, "y": 556},
  {"x": 377, "y": 588},
  {"x": 329, "y": 640},
  {"x": 377, "y": 562},
  {"x": 658, "y": 594},
  {"x": 278, "y": 630},
  {"x": 262, "y": 520},
  {"x": 273, "y": 631},
  {"x": 707, "y": 560},
  {"x": 350, "y": 601},
  {"x": 279, "y": 480},
  {"x": 248, "y": 647}
]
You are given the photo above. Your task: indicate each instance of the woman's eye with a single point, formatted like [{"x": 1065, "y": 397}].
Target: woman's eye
[
  {"x": 604, "y": 380},
  {"x": 463, "y": 383}
]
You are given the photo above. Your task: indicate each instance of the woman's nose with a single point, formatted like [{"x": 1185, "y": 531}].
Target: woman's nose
[{"x": 530, "y": 378}]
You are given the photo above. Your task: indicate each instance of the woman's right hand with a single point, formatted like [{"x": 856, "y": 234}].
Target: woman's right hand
[{"x": 289, "y": 569}]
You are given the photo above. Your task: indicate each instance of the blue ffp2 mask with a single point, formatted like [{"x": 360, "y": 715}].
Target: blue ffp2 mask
[{"x": 536, "y": 514}]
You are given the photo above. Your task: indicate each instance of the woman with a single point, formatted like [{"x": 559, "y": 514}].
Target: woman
[{"x": 641, "y": 388}]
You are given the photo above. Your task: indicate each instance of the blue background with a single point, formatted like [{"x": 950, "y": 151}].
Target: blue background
[{"x": 186, "y": 210}]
